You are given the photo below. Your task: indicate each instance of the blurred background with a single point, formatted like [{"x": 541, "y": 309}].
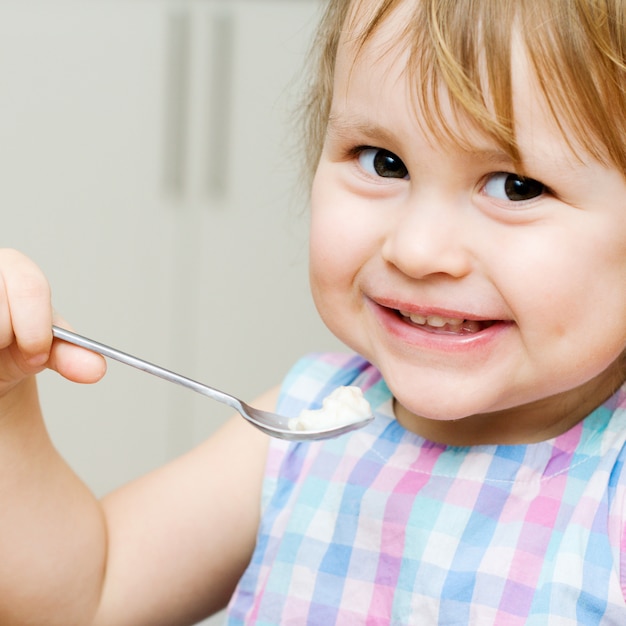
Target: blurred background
[{"x": 150, "y": 165}]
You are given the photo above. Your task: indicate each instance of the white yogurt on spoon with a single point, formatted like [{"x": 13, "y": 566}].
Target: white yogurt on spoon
[{"x": 344, "y": 406}]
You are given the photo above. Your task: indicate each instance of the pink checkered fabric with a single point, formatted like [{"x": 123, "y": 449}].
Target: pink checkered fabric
[{"x": 383, "y": 527}]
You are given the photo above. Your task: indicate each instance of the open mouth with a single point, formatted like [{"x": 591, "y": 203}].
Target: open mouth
[{"x": 439, "y": 324}]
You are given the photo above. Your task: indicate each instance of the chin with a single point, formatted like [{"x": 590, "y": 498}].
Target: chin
[
  {"x": 440, "y": 414},
  {"x": 435, "y": 408}
]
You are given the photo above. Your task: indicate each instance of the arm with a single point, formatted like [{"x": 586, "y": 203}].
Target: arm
[
  {"x": 181, "y": 537},
  {"x": 52, "y": 533},
  {"x": 48, "y": 519},
  {"x": 167, "y": 549}
]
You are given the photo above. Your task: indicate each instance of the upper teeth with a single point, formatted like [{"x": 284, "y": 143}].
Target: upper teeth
[{"x": 433, "y": 320}]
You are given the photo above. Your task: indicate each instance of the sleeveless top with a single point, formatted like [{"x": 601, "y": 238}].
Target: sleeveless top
[{"x": 383, "y": 527}]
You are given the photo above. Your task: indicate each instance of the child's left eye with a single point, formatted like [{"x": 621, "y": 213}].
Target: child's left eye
[
  {"x": 512, "y": 187},
  {"x": 380, "y": 162}
]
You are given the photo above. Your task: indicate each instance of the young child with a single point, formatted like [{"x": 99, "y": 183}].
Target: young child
[{"x": 468, "y": 242}]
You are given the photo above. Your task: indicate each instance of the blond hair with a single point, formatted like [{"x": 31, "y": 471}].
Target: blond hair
[{"x": 577, "y": 49}]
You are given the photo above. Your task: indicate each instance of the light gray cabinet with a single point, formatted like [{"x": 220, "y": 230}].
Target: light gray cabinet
[{"x": 148, "y": 165}]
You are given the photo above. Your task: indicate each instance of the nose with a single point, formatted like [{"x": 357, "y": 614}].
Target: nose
[{"x": 430, "y": 236}]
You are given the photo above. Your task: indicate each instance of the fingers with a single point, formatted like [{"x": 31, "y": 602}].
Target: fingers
[
  {"x": 26, "y": 318},
  {"x": 25, "y": 308},
  {"x": 74, "y": 363}
]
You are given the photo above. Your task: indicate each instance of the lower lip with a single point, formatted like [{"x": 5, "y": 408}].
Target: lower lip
[{"x": 398, "y": 327}]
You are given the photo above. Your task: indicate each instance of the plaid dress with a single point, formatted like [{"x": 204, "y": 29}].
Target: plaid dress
[{"x": 383, "y": 527}]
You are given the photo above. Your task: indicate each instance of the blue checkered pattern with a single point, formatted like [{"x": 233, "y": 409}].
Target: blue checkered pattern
[{"x": 383, "y": 527}]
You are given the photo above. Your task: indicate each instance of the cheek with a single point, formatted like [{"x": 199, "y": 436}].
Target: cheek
[
  {"x": 340, "y": 245},
  {"x": 563, "y": 293},
  {"x": 342, "y": 242},
  {"x": 323, "y": 244},
  {"x": 330, "y": 231},
  {"x": 328, "y": 259}
]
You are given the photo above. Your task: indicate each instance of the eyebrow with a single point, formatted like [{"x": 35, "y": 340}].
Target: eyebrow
[
  {"x": 347, "y": 126},
  {"x": 495, "y": 156},
  {"x": 344, "y": 126}
]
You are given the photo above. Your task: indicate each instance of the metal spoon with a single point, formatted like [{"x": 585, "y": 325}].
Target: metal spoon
[{"x": 270, "y": 423}]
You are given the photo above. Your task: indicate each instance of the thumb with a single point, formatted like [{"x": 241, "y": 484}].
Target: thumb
[{"x": 75, "y": 363}]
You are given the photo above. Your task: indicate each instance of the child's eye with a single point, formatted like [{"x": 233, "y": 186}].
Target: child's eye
[
  {"x": 512, "y": 187},
  {"x": 379, "y": 162}
]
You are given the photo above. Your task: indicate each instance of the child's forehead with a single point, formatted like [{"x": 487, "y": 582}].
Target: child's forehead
[
  {"x": 465, "y": 67},
  {"x": 373, "y": 105},
  {"x": 386, "y": 51},
  {"x": 375, "y": 70}
]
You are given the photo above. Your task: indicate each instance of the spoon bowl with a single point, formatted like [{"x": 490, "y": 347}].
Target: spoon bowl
[{"x": 270, "y": 423}]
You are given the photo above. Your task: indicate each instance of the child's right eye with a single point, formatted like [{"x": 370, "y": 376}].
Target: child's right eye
[{"x": 380, "y": 162}]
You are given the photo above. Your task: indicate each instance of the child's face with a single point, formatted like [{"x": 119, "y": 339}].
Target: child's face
[{"x": 477, "y": 294}]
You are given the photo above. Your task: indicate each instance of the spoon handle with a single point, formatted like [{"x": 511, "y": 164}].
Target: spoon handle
[{"x": 145, "y": 366}]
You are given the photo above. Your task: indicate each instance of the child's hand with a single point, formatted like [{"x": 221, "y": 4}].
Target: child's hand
[{"x": 26, "y": 318}]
